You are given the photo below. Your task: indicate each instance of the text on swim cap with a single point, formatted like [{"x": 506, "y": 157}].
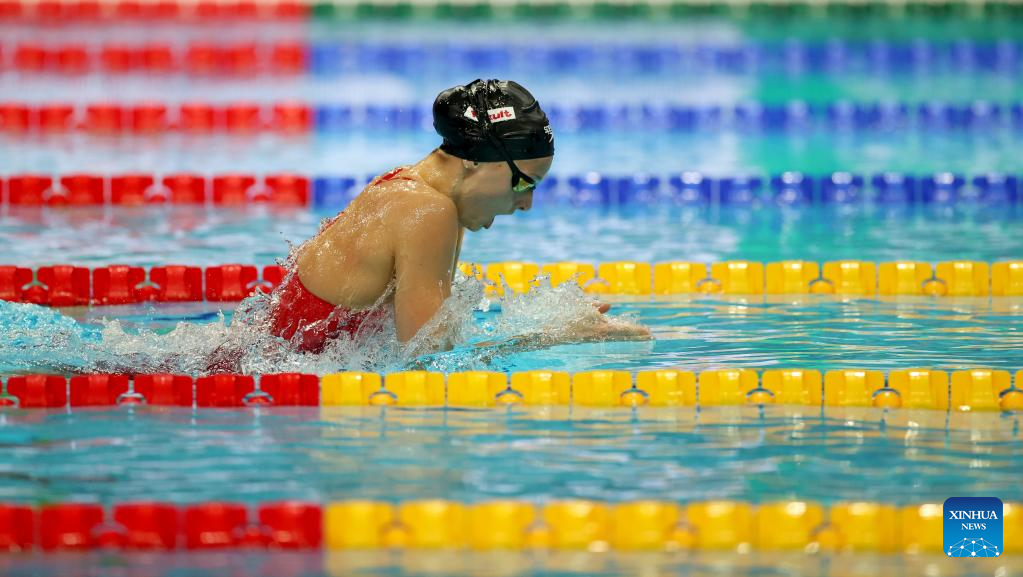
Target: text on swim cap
[{"x": 496, "y": 114}]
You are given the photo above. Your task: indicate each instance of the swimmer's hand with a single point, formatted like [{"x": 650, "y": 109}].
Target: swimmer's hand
[
  {"x": 589, "y": 330},
  {"x": 597, "y": 328}
]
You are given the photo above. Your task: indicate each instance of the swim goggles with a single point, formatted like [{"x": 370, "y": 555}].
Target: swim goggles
[{"x": 521, "y": 182}]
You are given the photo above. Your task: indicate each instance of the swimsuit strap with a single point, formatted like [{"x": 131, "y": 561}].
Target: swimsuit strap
[{"x": 394, "y": 174}]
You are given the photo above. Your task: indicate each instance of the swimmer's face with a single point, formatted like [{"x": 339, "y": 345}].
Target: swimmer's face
[{"x": 487, "y": 191}]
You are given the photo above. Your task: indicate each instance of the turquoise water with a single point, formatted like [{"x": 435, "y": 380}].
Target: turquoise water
[
  {"x": 718, "y": 152},
  {"x": 819, "y": 332},
  {"x": 557, "y": 564},
  {"x": 745, "y": 453},
  {"x": 683, "y": 455},
  {"x": 151, "y": 237}
]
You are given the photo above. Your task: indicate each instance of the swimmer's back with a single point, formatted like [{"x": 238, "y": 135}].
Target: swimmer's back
[{"x": 352, "y": 261}]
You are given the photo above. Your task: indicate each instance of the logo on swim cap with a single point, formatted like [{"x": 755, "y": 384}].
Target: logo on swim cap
[
  {"x": 496, "y": 114},
  {"x": 549, "y": 132}
]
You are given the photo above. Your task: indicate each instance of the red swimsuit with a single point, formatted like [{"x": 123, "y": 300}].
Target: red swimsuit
[{"x": 317, "y": 321}]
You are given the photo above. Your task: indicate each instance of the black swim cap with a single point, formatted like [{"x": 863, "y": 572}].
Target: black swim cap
[{"x": 515, "y": 119}]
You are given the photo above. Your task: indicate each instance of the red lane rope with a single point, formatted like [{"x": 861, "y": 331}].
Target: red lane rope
[
  {"x": 153, "y": 118},
  {"x": 57, "y": 12},
  {"x": 65, "y": 285},
  {"x": 197, "y": 58},
  {"x": 136, "y": 189}
]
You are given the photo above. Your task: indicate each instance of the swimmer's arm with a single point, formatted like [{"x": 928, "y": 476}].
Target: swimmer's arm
[
  {"x": 458, "y": 253},
  {"x": 585, "y": 331},
  {"x": 423, "y": 266}
]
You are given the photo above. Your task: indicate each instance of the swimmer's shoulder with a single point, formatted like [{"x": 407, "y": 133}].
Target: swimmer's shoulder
[{"x": 413, "y": 203}]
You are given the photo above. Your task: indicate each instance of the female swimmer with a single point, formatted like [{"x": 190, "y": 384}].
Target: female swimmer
[{"x": 400, "y": 239}]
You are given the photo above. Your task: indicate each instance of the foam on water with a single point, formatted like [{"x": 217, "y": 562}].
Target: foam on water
[{"x": 39, "y": 339}]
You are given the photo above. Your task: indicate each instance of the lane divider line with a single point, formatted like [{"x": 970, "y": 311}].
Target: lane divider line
[
  {"x": 964, "y": 390},
  {"x": 65, "y": 285},
  {"x": 513, "y": 525}
]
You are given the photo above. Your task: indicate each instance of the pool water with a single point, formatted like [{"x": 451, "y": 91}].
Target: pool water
[
  {"x": 748, "y": 454},
  {"x": 545, "y": 234},
  {"x": 809, "y": 332}
]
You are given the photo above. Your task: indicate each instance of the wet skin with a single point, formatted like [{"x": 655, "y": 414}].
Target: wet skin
[{"x": 409, "y": 233}]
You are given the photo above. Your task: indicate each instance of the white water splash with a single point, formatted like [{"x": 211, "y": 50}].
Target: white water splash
[{"x": 38, "y": 339}]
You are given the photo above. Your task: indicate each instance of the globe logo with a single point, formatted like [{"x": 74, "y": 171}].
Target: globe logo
[{"x": 972, "y": 527}]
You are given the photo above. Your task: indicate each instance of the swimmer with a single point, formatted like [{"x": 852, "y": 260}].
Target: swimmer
[{"x": 399, "y": 241}]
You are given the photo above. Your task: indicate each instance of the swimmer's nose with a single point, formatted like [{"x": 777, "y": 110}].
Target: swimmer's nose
[{"x": 525, "y": 203}]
